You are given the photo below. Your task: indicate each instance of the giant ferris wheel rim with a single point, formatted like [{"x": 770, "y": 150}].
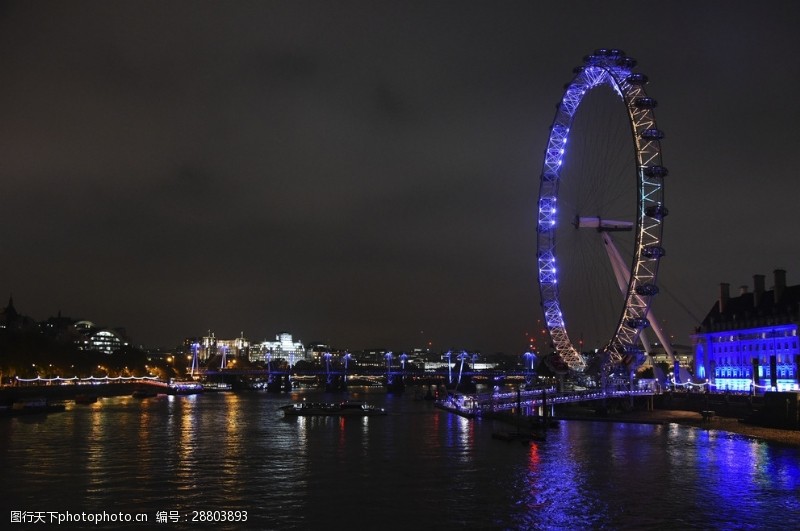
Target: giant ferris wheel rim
[{"x": 612, "y": 68}]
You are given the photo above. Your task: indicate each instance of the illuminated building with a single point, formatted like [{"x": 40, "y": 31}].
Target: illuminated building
[
  {"x": 204, "y": 347},
  {"x": 658, "y": 355},
  {"x": 209, "y": 346},
  {"x": 233, "y": 348},
  {"x": 92, "y": 337},
  {"x": 373, "y": 358},
  {"x": 283, "y": 347},
  {"x": 751, "y": 338},
  {"x": 86, "y": 335},
  {"x": 316, "y": 352}
]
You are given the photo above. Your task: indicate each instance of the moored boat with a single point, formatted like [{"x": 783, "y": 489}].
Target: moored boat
[
  {"x": 460, "y": 404},
  {"x": 85, "y": 399},
  {"x": 31, "y": 406},
  {"x": 308, "y": 409},
  {"x": 185, "y": 387},
  {"x": 215, "y": 387}
]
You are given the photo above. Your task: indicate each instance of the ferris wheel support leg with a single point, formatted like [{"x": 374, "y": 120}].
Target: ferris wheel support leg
[{"x": 623, "y": 278}]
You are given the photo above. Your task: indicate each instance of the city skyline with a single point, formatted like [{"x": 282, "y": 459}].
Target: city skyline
[
  {"x": 362, "y": 174},
  {"x": 25, "y": 321}
]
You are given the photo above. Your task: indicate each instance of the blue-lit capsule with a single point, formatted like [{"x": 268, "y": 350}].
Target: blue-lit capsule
[
  {"x": 652, "y": 134},
  {"x": 653, "y": 251},
  {"x": 656, "y": 171},
  {"x": 637, "y": 79},
  {"x": 647, "y": 290},
  {"x": 656, "y": 211},
  {"x": 645, "y": 103}
]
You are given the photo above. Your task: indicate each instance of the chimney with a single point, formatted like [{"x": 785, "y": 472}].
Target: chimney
[
  {"x": 780, "y": 284},
  {"x": 758, "y": 289},
  {"x": 724, "y": 295},
  {"x": 743, "y": 289}
]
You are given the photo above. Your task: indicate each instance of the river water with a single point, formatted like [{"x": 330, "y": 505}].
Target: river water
[{"x": 233, "y": 456}]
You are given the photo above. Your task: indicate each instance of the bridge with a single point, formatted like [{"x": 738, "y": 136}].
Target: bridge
[
  {"x": 539, "y": 400},
  {"x": 368, "y": 373},
  {"x": 394, "y": 380},
  {"x": 453, "y": 394}
]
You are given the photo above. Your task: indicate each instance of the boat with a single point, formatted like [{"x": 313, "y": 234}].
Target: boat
[
  {"x": 143, "y": 393},
  {"x": 311, "y": 409},
  {"x": 216, "y": 387},
  {"x": 184, "y": 387},
  {"x": 31, "y": 406},
  {"x": 85, "y": 399},
  {"x": 460, "y": 404}
]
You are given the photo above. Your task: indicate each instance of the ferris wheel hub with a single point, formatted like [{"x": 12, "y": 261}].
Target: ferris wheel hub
[{"x": 602, "y": 225}]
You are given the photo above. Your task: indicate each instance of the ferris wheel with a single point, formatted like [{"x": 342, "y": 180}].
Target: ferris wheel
[{"x": 597, "y": 193}]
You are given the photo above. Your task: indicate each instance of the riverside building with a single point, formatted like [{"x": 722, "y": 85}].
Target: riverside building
[
  {"x": 284, "y": 347},
  {"x": 210, "y": 347},
  {"x": 93, "y": 337},
  {"x": 749, "y": 342}
]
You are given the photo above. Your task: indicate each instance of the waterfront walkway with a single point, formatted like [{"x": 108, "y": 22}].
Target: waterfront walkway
[{"x": 475, "y": 405}]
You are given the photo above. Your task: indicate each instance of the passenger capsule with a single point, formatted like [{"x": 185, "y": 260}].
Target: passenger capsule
[
  {"x": 645, "y": 103},
  {"x": 656, "y": 211},
  {"x": 656, "y": 171},
  {"x": 637, "y": 79},
  {"x": 647, "y": 290},
  {"x": 653, "y": 251},
  {"x": 652, "y": 134},
  {"x": 637, "y": 323}
]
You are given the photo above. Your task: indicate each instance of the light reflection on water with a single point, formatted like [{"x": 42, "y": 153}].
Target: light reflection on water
[{"x": 415, "y": 467}]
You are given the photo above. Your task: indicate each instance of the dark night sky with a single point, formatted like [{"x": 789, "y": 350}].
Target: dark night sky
[{"x": 366, "y": 173}]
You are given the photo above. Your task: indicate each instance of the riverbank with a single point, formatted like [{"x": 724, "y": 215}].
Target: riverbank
[{"x": 692, "y": 419}]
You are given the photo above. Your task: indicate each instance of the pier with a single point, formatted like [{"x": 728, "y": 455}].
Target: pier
[{"x": 541, "y": 401}]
